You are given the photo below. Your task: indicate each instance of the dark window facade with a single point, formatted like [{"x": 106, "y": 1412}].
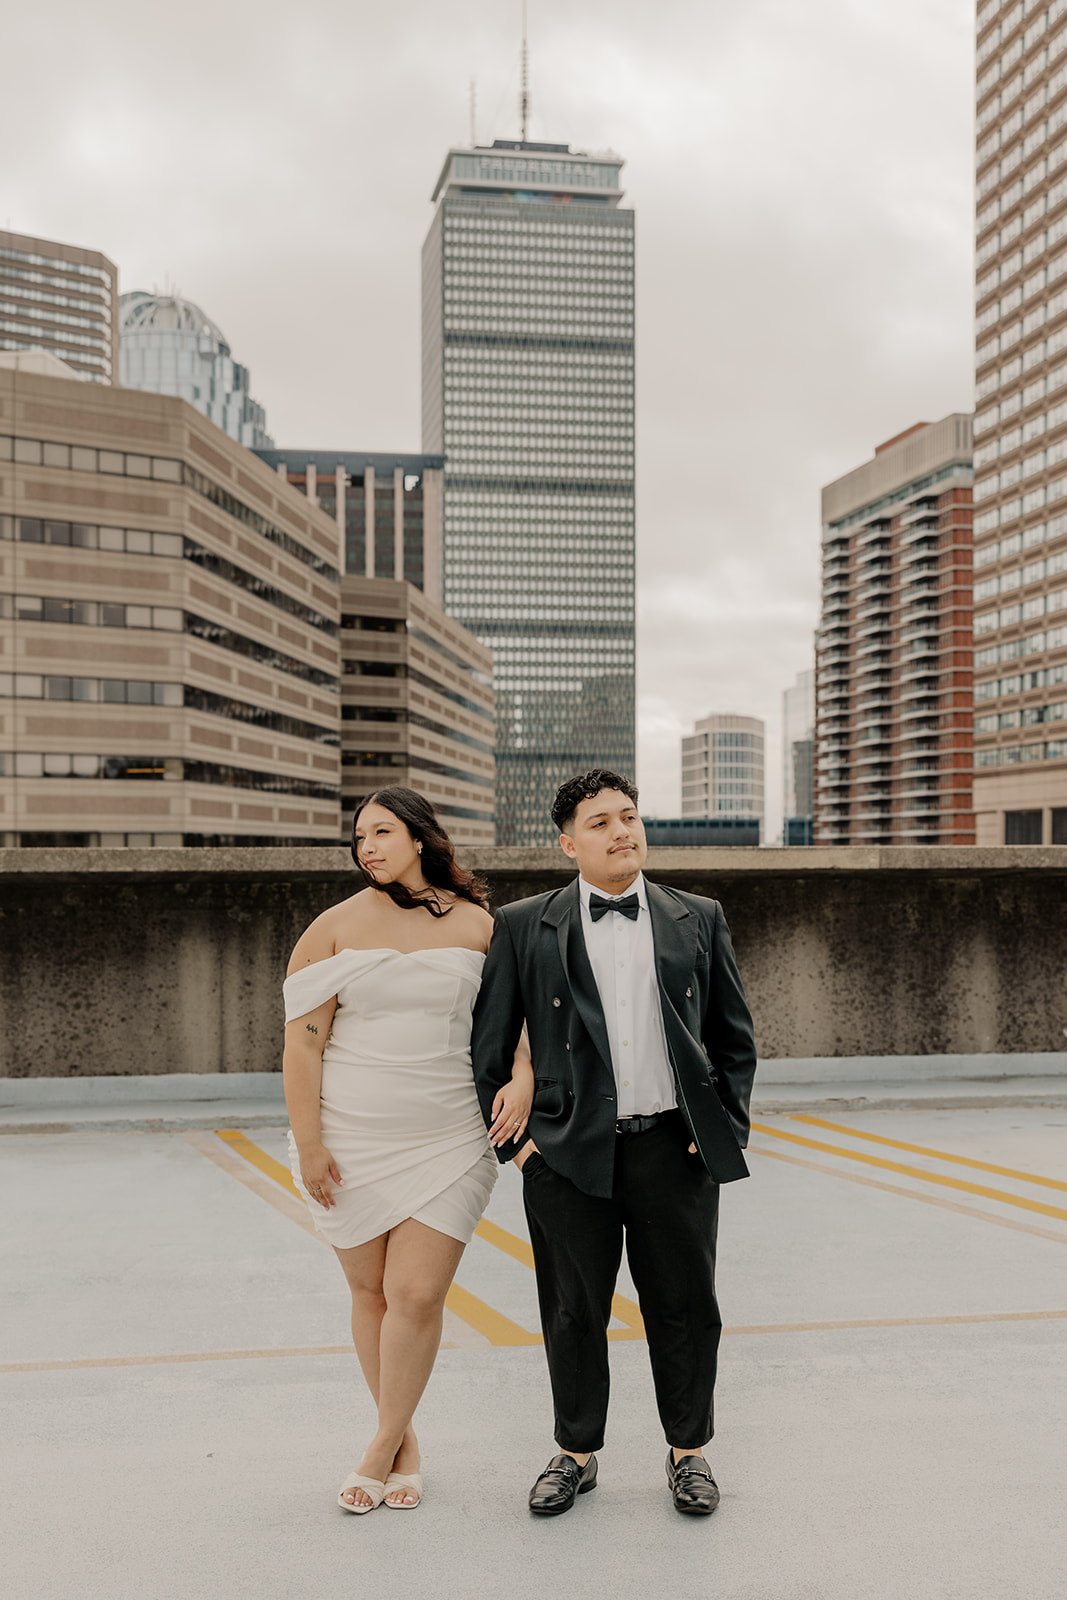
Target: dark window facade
[{"x": 1022, "y": 827}]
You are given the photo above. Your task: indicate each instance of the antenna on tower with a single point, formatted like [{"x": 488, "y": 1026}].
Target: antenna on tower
[
  {"x": 473, "y": 95},
  {"x": 524, "y": 90}
]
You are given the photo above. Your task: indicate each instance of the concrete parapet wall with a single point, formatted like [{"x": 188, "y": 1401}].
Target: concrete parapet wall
[{"x": 171, "y": 961}]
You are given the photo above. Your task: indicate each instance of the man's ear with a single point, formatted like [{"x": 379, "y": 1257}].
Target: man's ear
[{"x": 566, "y": 844}]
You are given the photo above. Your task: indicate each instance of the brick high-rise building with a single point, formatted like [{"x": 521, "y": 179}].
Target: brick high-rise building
[
  {"x": 1020, "y": 427},
  {"x": 893, "y": 740}
]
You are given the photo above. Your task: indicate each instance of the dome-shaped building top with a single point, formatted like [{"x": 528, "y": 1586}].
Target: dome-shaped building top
[{"x": 167, "y": 345}]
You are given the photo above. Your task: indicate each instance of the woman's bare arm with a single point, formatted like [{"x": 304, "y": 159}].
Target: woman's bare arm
[{"x": 305, "y": 1040}]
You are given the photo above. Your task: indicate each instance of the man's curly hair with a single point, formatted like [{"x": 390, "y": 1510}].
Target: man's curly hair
[{"x": 570, "y": 795}]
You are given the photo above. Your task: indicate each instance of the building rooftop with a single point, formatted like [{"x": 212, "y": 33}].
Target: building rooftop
[
  {"x": 141, "y": 312},
  {"x": 353, "y": 461},
  {"x": 919, "y": 451},
  {"x": 509, "y": 165},
  {"x": 42, "y": 362},
  {"x": 209, "y": 1352}
]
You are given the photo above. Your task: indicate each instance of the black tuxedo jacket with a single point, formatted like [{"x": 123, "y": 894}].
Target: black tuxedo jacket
[{"x": 538, "y": 972}]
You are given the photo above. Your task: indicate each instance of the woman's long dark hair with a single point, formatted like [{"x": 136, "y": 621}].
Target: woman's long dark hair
[{"x": 437, "y": 859}]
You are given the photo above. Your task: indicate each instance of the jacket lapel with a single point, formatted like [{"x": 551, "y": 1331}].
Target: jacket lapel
[
  {"x": 674, "y": 934},
  {"x": 565, "y": 914}
]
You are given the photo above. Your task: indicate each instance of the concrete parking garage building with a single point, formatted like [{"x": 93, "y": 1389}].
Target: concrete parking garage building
[
  {"x": 169, "y": 629},
  {"x": 417, "y": 706},
  {"x": 418, "y": 702}
]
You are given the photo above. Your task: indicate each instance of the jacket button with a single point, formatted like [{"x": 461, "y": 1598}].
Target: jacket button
[
  {"x": 555, "y": 1000},
  {"x": 567, "y": 1045},
  {"x": 689, "y": 994}
]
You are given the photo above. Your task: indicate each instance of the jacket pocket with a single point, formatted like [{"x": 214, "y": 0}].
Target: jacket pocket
[{"x": 548, "y": 1096}]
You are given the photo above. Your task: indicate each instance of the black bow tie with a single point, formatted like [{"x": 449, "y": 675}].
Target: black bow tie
[{"x": 599, "y": 907}]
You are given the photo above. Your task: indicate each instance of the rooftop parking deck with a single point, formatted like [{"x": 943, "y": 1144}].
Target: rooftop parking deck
[{"x": 181, "y": 1401}]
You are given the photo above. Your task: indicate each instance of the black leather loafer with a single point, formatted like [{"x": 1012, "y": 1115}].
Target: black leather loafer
[
  {"x": 556, "y": 1488},
  {"x": 693, "y": 1488}
]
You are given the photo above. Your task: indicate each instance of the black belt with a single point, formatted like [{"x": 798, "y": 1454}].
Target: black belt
[{"x": 640, "y": 1124}]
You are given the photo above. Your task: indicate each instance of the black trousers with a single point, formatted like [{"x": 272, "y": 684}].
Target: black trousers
[{"x": 667, "y": 1206}]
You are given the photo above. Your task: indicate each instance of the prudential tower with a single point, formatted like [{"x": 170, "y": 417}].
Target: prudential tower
[{"x": 528, "y": 392}]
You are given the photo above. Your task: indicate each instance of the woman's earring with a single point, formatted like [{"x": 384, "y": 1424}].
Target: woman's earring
[{"x": 418, "y": 848}]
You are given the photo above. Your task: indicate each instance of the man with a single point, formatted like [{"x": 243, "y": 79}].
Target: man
[{"x": 643, "y": 1060}]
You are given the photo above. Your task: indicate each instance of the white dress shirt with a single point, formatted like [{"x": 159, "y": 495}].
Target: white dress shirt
[{"x": 623, "y": 958}]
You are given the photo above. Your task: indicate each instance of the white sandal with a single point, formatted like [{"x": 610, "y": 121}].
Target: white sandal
[
  {"x": 404, "y": 1480},
  {"x": 373, "y": 1487}
]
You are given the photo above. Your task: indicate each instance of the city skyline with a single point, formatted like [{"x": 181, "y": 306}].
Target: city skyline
[{"x": 728, "y": 577}]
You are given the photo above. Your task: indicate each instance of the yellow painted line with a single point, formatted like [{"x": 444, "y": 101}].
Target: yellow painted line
[
  {"x": 185, "y": 1357},
  {"x": 902, "y": 1322},
  {"x": 510, "y": 1243},
  {"x": 937, "y": 1155},
  {"x": 259, "y": 1158},
  {"x": 961, "y": 1209},
  {"x": 999, "y": 1195},
  {"x": 497, "y": 1328},
  {"x": 622, "y": 1309},
  {"x": 223, "y": 1156},
  {"x": 171, "y": 1360},
  {"x": 626, "y": 1312},
  {"x": 491, "y": 1324}
]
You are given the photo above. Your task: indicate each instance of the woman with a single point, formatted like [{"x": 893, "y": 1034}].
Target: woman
[{"x": 387, "y": 1143}]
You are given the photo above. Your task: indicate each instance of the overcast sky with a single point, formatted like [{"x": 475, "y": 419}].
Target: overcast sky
[{"x": 802, "y": 173}]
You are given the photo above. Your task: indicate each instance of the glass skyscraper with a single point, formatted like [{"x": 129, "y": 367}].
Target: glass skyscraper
[
  {"x": 168, "y": 346},
  {"x": 528, "y": 393}
]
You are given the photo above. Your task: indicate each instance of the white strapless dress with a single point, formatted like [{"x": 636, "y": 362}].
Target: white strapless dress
[{"x": 400, "y": 1114}]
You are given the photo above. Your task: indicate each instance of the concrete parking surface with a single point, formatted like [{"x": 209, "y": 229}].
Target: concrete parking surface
[{"x": 181, "y": 1402}]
